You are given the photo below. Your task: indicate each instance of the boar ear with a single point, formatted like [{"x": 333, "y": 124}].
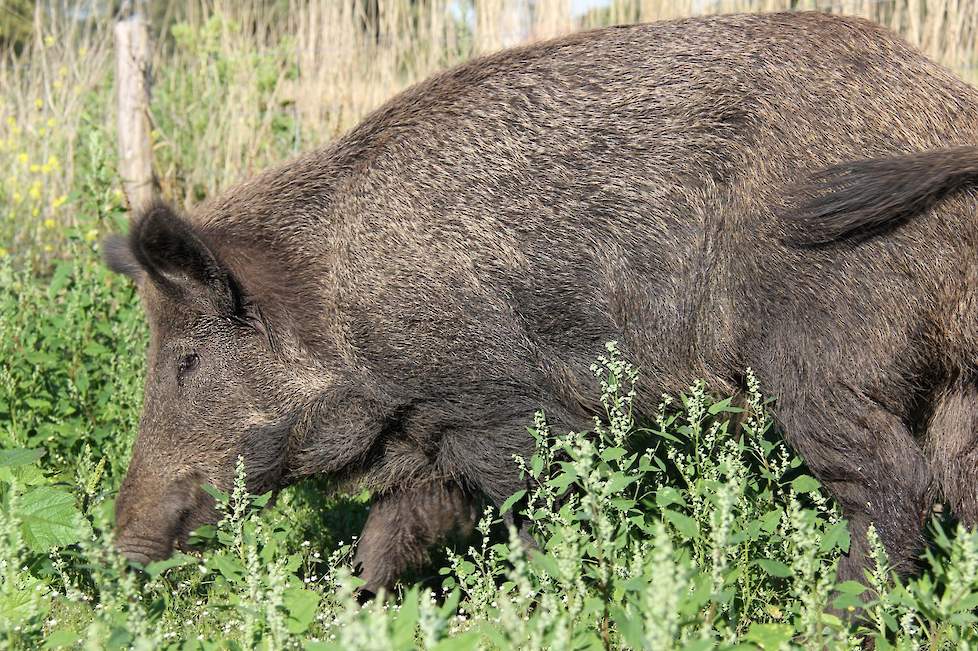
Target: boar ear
[
  {"x": 118, "y": 256},
  {"x": 179, "y": 262}
]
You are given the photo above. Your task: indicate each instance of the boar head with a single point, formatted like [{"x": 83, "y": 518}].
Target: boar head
[{"x": 210, "y": 392}]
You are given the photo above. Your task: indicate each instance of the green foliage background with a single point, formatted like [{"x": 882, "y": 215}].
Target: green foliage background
[{"x": 699, "y": 530}]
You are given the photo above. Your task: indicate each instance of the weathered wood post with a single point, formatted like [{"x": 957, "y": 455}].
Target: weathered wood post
[{"x": 132, "y": 85}]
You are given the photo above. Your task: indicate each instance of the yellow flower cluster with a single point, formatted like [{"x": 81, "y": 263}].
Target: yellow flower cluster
[{"x": 31, "y": 185}]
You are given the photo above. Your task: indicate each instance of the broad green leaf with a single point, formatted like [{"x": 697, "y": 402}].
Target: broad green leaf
[
  {"x": 611, "y": 454},
  {"x": 684, "y": 524},
  {"x": 16, "y": 605},
  {"x": 120, "y": 639},
  {"x": 60, "y": 278},
  {"x": 836, "y": 535},
  {"x": 851, "y": 587},
  {"x": 564, "y": 479},
  {"x": 805, "y": 484},
  {"x": 962, "y": 619},
  {"x": 156, "y": 568},
  {"x": 700, "y": 596},
  {"x": 847, "y": 602},
  {"x": 546, "y": 563},
  {"x": 536, "y": 466},
  {"x": 49, "y": 518},
  {"x": 61, "y": 638},
  {"x": 451, "y": 603},
  {"x": 468, "y": 641},
  {"x": 667, "y": 496},
  {"x": 774, "y": 568},
  {"x": 700, "y": 645},
  {"x": 770, "y": 520},
  {"x": 81, "y": 380},
  {"x": 638, "y": 583},
  {"x": 725, "y": 407},
  {"x": 629, "y": 627},
  {"x": 229, "y": 567},
  {"x": 769, "y": 637},
  {"x": 216, "y": 493},
  {"x": 205, "y": 532},
  {"x": 20, "y": 456},
  {"x": 620, "y": 482},
  {"x": 967, "y": 603},
  {"x": 25, "y": 476},
  {"x": 406, "y": 621},
  {"x": 511, "y": 500},
  {"x": 302, "y": 605}
]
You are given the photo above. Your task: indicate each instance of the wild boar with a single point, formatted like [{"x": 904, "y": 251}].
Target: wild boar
[{"x": 392, "y": 309}]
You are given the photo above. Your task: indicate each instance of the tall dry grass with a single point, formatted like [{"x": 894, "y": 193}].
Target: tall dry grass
[
  {"x": 47, "y": 96},
  {"x": 240, "y": 85}
]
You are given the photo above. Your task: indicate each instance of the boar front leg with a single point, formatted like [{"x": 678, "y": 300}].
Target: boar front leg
[{"x": 404, "y": 524}]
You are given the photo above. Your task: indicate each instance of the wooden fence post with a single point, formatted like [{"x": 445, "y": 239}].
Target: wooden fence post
[{"x": 132, "y": 85}]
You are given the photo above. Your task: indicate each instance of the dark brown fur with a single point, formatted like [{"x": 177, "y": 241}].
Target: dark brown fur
[{"x": 392, "y": 309}]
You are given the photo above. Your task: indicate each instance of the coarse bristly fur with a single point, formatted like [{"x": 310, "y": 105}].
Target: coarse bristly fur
[{"x": 392, "y": 309}]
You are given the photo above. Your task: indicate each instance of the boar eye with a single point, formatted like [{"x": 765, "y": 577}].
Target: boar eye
[{"x": 187, "y": 364}]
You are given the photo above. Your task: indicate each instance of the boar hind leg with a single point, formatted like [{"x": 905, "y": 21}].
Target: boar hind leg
[
  {"x": 404, "y": 524},
  {"x": 952, "y": 445},
  {"x": 870, "y": 463}
]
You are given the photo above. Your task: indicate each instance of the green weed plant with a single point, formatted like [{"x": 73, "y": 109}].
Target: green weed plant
[{"x": 698, "y": 530}]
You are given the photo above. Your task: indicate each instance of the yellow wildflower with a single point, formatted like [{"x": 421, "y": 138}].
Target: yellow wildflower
[
  {"x": 51, "y": 123},
  {"x": 42, "y": 131},
  {"x": 49, "y": 223},
  {"x": 63, "y": 71},
  {"x": 48, "y": 248},
  {"x": 39, "y": 103},
  {"x": 35, "y": 168},
  {"x": 91, "y": 235},
  {"x": 57, "y": 85},
  {"x": 60, "y": 201},
  {"x": 35, "y": 191},
  {"x": 11, "y": 121},
  {"x": 53, "y": 162},
  {"x": 49, "y": 40},
  {"x": 82, "y": 51},
  {"x": 18, "y": 197},
  {"x": 35, "y": 212},
  {"x": 3, "y": 252},
  {"x": 22, "y": 157}
]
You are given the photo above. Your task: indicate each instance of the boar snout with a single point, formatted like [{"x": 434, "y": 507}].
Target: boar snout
[{"x": 154, "y": 516}]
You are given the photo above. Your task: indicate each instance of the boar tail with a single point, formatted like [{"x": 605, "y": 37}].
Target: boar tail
[{"x": 857, "y": 199}]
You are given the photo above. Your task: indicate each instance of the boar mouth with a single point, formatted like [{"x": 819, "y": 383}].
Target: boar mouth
[
  {"x": 144, "y": 550},
  {"x": 167, "y": 527}
]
